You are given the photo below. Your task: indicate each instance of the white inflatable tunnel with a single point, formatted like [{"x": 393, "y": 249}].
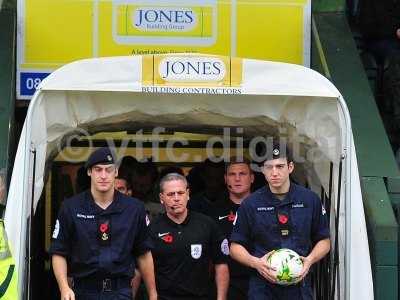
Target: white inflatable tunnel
[{"x": 197, "y": 93}]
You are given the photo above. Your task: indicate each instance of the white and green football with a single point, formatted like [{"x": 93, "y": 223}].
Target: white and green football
[{"x": 287, "y": 265}]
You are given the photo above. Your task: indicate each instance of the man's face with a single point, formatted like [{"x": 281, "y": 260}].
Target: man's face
[
  {"x": 277, "y": 171},
  {"x": 102, "y": 177},
  {"x": 122, "y": 186},
  {"x": 238, "y": 179},
  {"x": 174, "y": 197}
]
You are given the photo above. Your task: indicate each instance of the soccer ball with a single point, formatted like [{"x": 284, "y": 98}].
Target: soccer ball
[{"x": 287, "y": 265}]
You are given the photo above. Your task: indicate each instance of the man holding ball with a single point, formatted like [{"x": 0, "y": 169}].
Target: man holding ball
[{"x": 280, "y": 215}]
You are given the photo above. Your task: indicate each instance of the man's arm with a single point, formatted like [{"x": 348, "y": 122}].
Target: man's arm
[
  {"x": 60, "y": 272},
  {"x": 135, "y": 283},
  {"x": 146, "y": 268},
  {"x": 222, "y": 280},
  {"x": 239, "y": 253},
  {"x": 318, "y": 252}
]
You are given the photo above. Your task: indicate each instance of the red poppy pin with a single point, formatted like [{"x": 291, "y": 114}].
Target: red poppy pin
[
  {"x": 283, "y": 219},
  {"x": 231, "y": 217},
  {"x": 103, "y": 227},
  {"x": 168, "y": 239}
]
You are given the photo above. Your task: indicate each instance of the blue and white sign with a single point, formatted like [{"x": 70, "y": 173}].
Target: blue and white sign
[{"x": 29, "y": 82}]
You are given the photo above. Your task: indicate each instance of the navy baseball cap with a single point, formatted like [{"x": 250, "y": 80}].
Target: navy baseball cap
[{"x": 104, "y": 156}]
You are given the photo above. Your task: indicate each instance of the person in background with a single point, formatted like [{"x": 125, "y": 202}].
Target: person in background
[
  {"x": 123, "y": 186},
  {"x": 214, "y": 186},
  {"x": 144, "y": 179},
  {"x": 380, "y": 26},
  {"x": 238, "y": 179}
]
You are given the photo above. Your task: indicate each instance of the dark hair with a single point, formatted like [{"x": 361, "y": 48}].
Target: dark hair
[
  {"x": 234, "y": 160},
  {"x": 127, "y": 180},
  {"x": 126, "y": 166}
]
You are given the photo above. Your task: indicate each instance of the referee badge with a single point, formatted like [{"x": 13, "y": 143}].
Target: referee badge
[
  {"x": 225, "y": 247},
  {"x": 195, "y": 250}
]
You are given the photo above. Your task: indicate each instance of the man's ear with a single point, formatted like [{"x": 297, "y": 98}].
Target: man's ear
[
  {"x": 116, "y": 172},
  {"x": 291, "y": 167},
  {"x": 160, "y": 196},
  {"x": 89, "y": 172}
]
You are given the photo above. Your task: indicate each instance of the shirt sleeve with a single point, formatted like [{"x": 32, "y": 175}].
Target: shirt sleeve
[
  {"x": 219, "y": 244},
  {"x": 241, "y": 227},
  {"x": 320, "y": 226},
  {"x": 142, "y": 242},
  {"x": 60, "y": 242}
]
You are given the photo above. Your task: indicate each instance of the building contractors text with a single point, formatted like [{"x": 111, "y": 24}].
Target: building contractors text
[{"x": 192, "y": 90}]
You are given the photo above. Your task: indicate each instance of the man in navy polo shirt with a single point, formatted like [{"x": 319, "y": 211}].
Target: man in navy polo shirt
[
  {"x": 280, "y": 215},
  {"x": 185, "y": 243},
  {"x": 97, "y": 236}
]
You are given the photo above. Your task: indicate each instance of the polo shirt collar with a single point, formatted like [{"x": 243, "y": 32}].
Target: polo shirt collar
[
  {"x": 172, "y": 223},
  {"x": 116, "y": 205},
  {"x": 276, "y": 202}
]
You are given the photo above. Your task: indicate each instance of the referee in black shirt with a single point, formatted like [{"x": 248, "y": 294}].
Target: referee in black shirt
[{"x": 185, "y": 243}]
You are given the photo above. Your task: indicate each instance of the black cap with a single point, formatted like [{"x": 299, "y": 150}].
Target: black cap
[{"x": 100, "y": 156}]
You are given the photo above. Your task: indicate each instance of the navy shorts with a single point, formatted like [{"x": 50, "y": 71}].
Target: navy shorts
[{"x": 120, "y": 294}]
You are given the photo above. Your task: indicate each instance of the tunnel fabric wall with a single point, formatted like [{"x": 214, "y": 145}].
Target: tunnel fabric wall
[{"x": 104, "y": 93}]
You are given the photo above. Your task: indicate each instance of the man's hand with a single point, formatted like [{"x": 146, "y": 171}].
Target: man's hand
[
  {"x": 307, "y": 263},
  {"x": 260, "y": 264},
  {"x": 146, "y": 269},
  {"x": 318, "y": 252},
  {"x": 153, "y": 296},
  {"x": 67, "y": 294}
]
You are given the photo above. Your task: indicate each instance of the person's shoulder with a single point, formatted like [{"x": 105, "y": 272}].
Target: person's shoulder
[
  {"x": 75, "y": 201},
  {"x": 301, "y": 189},
  {"x": 255, "y": 197},
  {"x": 131, "y": 203},
  {"x": 201, "y": 218},
  {"x": 157, "y": 222},
  {"x": 203, "y": 224},
  {"x": 305, "y": 193}
]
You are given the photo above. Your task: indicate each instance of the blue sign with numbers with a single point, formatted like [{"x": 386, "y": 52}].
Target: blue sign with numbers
[{"x": 29, "y": 82}]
